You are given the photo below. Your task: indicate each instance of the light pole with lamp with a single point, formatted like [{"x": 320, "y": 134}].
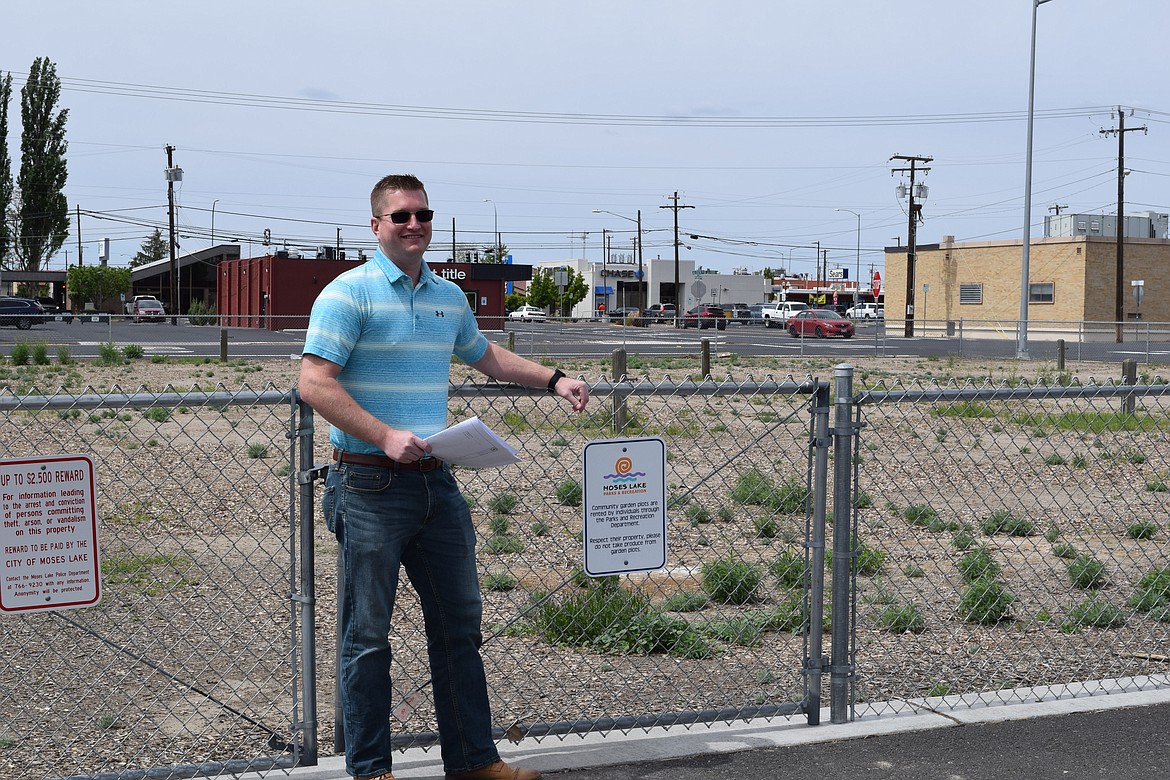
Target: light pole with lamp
[
  {"x": 213, "y": 221},
  {"x": 496, "y": 225},
  {"x": 857, "y": 294},
  {"x": 1022, "y": 335},
  {"x": 638, "y": 249}
]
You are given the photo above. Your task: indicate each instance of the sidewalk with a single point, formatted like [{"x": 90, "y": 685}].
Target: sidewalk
[{"x": 1030, "y": 732}]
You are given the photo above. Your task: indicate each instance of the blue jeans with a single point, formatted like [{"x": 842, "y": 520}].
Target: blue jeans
[{"x": 384, "y": 518}]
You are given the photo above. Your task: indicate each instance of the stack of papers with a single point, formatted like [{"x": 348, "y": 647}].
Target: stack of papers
[{"x": 471, "y": 443}]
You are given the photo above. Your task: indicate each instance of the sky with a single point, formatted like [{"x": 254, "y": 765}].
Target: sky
[{"x": 774, "y": 122}]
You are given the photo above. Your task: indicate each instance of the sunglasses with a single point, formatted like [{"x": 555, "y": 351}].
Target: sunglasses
[{"x": 402, "y": 217}]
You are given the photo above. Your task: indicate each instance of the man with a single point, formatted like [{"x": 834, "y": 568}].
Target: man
[{"x": 376, "y": 365}]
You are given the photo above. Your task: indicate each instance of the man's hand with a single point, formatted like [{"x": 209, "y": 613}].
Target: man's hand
[
  {"x": 404, "y": 446},
  {"x": 575, "y": 391}
]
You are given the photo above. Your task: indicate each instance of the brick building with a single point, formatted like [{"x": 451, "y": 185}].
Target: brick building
[{"x": 1072, "y": 285}]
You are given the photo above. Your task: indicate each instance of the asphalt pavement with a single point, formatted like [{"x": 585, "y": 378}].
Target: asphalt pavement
[{"x": 1114, "y": 729}]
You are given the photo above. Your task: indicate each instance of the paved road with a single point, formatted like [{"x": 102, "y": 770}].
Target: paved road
[{"x": 583, "y": 339}]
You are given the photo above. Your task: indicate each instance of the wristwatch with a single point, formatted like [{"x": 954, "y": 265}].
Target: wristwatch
[{"x": 557, "y": 376}]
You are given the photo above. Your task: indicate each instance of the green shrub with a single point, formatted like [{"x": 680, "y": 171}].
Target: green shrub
[
  {"x": 697, "y": 514},
  {"x": 925, "y": 516},
  {"x": 64, "y": 356},
  {"x": 503, "y": 503},
  {"x": 1093, "y": 612},
  {"x": 133, "y": 351},
  {"x": 685, "y": 602},
  {"x": 789, "y": 568},
  {"x": 40, "y": 354},
  {"x": 903, "y": 619},
  {"x": 977, "y": 565},
  {"x": 158, "y": 414},
  {"x": 108, "y": 354},
  {"x": 986, "y": 601},
  {"x": 499, "y": 582},
  {"x": 499, "y": 525},
  {"x": 1003, "y": 521},
  {"x": 1065, "y": 550},
  {"x": 20, "y": 353},
  {"x": 1086, "y": 572},
  {"x": 1153, "y": 590},
  {"x": 766, "y": 527},
  {"x": 257, "y": 451},
  {"x": 200, "y": 313},
  {"x": 569, "y": 493},
  {"x": 1142, "y": 529},
  {"x": 729, "y": 581},
  {"x": 753, "y": 487},
  {"x": 500, "y": 545}
]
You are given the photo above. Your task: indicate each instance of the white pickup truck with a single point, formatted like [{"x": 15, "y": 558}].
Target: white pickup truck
[
  {"x": 866, "y": 311},
  {"x": 776, "y": 314}
]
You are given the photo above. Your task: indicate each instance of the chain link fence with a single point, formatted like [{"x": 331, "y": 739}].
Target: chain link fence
[
  {"x": 996, "y": 537},
  {"x": 1010, "y": 536}
]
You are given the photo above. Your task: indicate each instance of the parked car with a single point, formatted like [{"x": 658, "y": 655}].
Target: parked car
[
  {"x": 866, "y": 311},
  {"x": 54, "y": 310},
  {"x": 741, "y": 313},
  {"x": 530, "y": 313},
  {"x": 705, "y": 315},
  {"x": 661, "y": 312},
  {"x": 147, "y": 309},
  {"x": 776, "y": 314},
  {"x": 821, "y": 323},
  {"x": 21, "y": 312},
  {"x": 757, "y": 313}
]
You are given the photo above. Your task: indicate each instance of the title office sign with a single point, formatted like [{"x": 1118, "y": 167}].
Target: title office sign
[{"x": 48, "y": 535}]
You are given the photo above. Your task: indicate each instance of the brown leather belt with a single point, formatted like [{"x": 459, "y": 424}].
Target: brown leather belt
[{"x": 423, "y": 464}]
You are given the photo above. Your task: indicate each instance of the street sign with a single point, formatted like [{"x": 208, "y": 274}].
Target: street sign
[
  {"x": 877, "y": 284},
  {"x": 1139, "y": 291},
  {"x": 624, "y": 506},
  {"x": 698, "y": 289}
]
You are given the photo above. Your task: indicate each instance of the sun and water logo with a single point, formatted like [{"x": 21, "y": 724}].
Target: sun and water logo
[{"x": 624, "y": 480}]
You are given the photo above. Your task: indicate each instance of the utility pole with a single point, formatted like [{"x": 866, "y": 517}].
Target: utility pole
[
  {"x": 1119, "y": 298},
  {"x": 173, "y": 174},
  {"x": 915, "y": 214},
  {"x": 1057, "y": 208},
  {"x": 678, "y": 299},
  {"x": 80, "y": 258},
  {"x": 641, "y": 275}
]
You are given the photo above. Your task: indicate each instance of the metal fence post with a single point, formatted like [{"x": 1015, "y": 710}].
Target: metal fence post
[
  {"x": 621, "y": 412},
  {"x": 844, "y": 533},
  {"x": 306, "y": 595},
  {"x": 815, "y": 660}
]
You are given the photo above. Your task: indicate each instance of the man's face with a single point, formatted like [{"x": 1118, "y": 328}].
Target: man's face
[{"x": 405, "y": 243}]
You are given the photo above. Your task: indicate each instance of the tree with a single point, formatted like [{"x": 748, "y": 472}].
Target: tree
[
  {"x": 543, "y": 291},
  {"x": 153, "y": 249},
  {"x": 43, "y": 217},
  {"x": 5, "y": 168},
  {"x": 488, "y": 254},
  {"x": 98, "y": 284}
]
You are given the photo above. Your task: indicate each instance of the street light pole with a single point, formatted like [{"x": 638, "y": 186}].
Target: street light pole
[
  {"x": 1025, "y": 257},
  {"x": 496, "y": 226},
  {"x": 213, "y": 221},
  {"x": 857, "y": 294},
  {"x": 637, "y": 250}
]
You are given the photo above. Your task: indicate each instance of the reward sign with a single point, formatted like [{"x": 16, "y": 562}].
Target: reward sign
[
  {"x": 625, "y": 506},
  {"x": 49, "y": 534}
]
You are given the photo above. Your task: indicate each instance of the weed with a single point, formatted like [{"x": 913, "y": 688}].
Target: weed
[
  {"x": 257, "y": 451},
  {"x": 685, "y": 602},
  {"x": 725, "y": 514},
  {"x": 20, "y": 353},
  {"x": 1055, "y": 459},
  {"x": 978, "y": 564},
  {"x": 697, "y": 513},
  {"x": 1153, "y": 590},
  {"x": 754, "y": 487},
  {"x": 499, "y": 582},
  {"x": 569, "y": 493},
  {"x": 133, "y": 351},
  {"x": 766, "y": 527},
  {"x": 64, "y": 356},
  {"x": 500, "y": 545},
  {"x": 729, "y": 581},
  {"x": 1086, "y": 572},
  {"x": 1051, "y": 533},
  {"x": 789, "y": 568},
  {"x": 1142, "y": 529},
  {"x": 158, "y": 414},
  {"x": 499, "y": 525},
  {"x": 503, "y": 503},
  {"x": 40, "y": 354},
  {"x": 109, "y": 355},
  {"x": 926, "y": 517},
  {"x": 906, "y": 618},
  {"x": 985, "y": 601},
  {"x": 940, "y": 689},
  {"x": 1003, "y": 521},
  {"x": 963, "y": 540},
  {"x": 1065, "y": 550},
  {"x": 913, "y": 571},
  {"x": 539, "y": 528},
  {"x": 1093, "y": 612}
]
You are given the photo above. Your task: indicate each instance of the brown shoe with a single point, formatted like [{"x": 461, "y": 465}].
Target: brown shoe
[
  {"x": 383, "y": 776},
  {"x": 497, "y": 771}
]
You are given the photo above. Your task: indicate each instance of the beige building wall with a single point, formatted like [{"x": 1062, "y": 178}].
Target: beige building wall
[{"x": 1081, "y": 272}]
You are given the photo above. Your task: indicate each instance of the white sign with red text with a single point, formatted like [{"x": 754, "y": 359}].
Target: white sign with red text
[{"x": 48, "y": 534}]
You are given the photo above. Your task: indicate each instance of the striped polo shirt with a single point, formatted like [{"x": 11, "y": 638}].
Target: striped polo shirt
[{"x": 394, "y": 341}]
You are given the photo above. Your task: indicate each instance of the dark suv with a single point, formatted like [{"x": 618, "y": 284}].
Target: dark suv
[
  {"x": 21, "y": 312},
  {"x": 741, "y": 313},
  {"x": 705, "y": 316}
]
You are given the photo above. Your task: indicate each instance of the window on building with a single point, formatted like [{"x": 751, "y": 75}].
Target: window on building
[
  {"x": 971, "y": 294},
  {"x": 1041, "y": 292}
]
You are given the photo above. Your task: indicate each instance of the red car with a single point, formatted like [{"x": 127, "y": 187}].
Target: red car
[
  {"x": 821, "y": 323},
  {"x": 705, "y": 316}
]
